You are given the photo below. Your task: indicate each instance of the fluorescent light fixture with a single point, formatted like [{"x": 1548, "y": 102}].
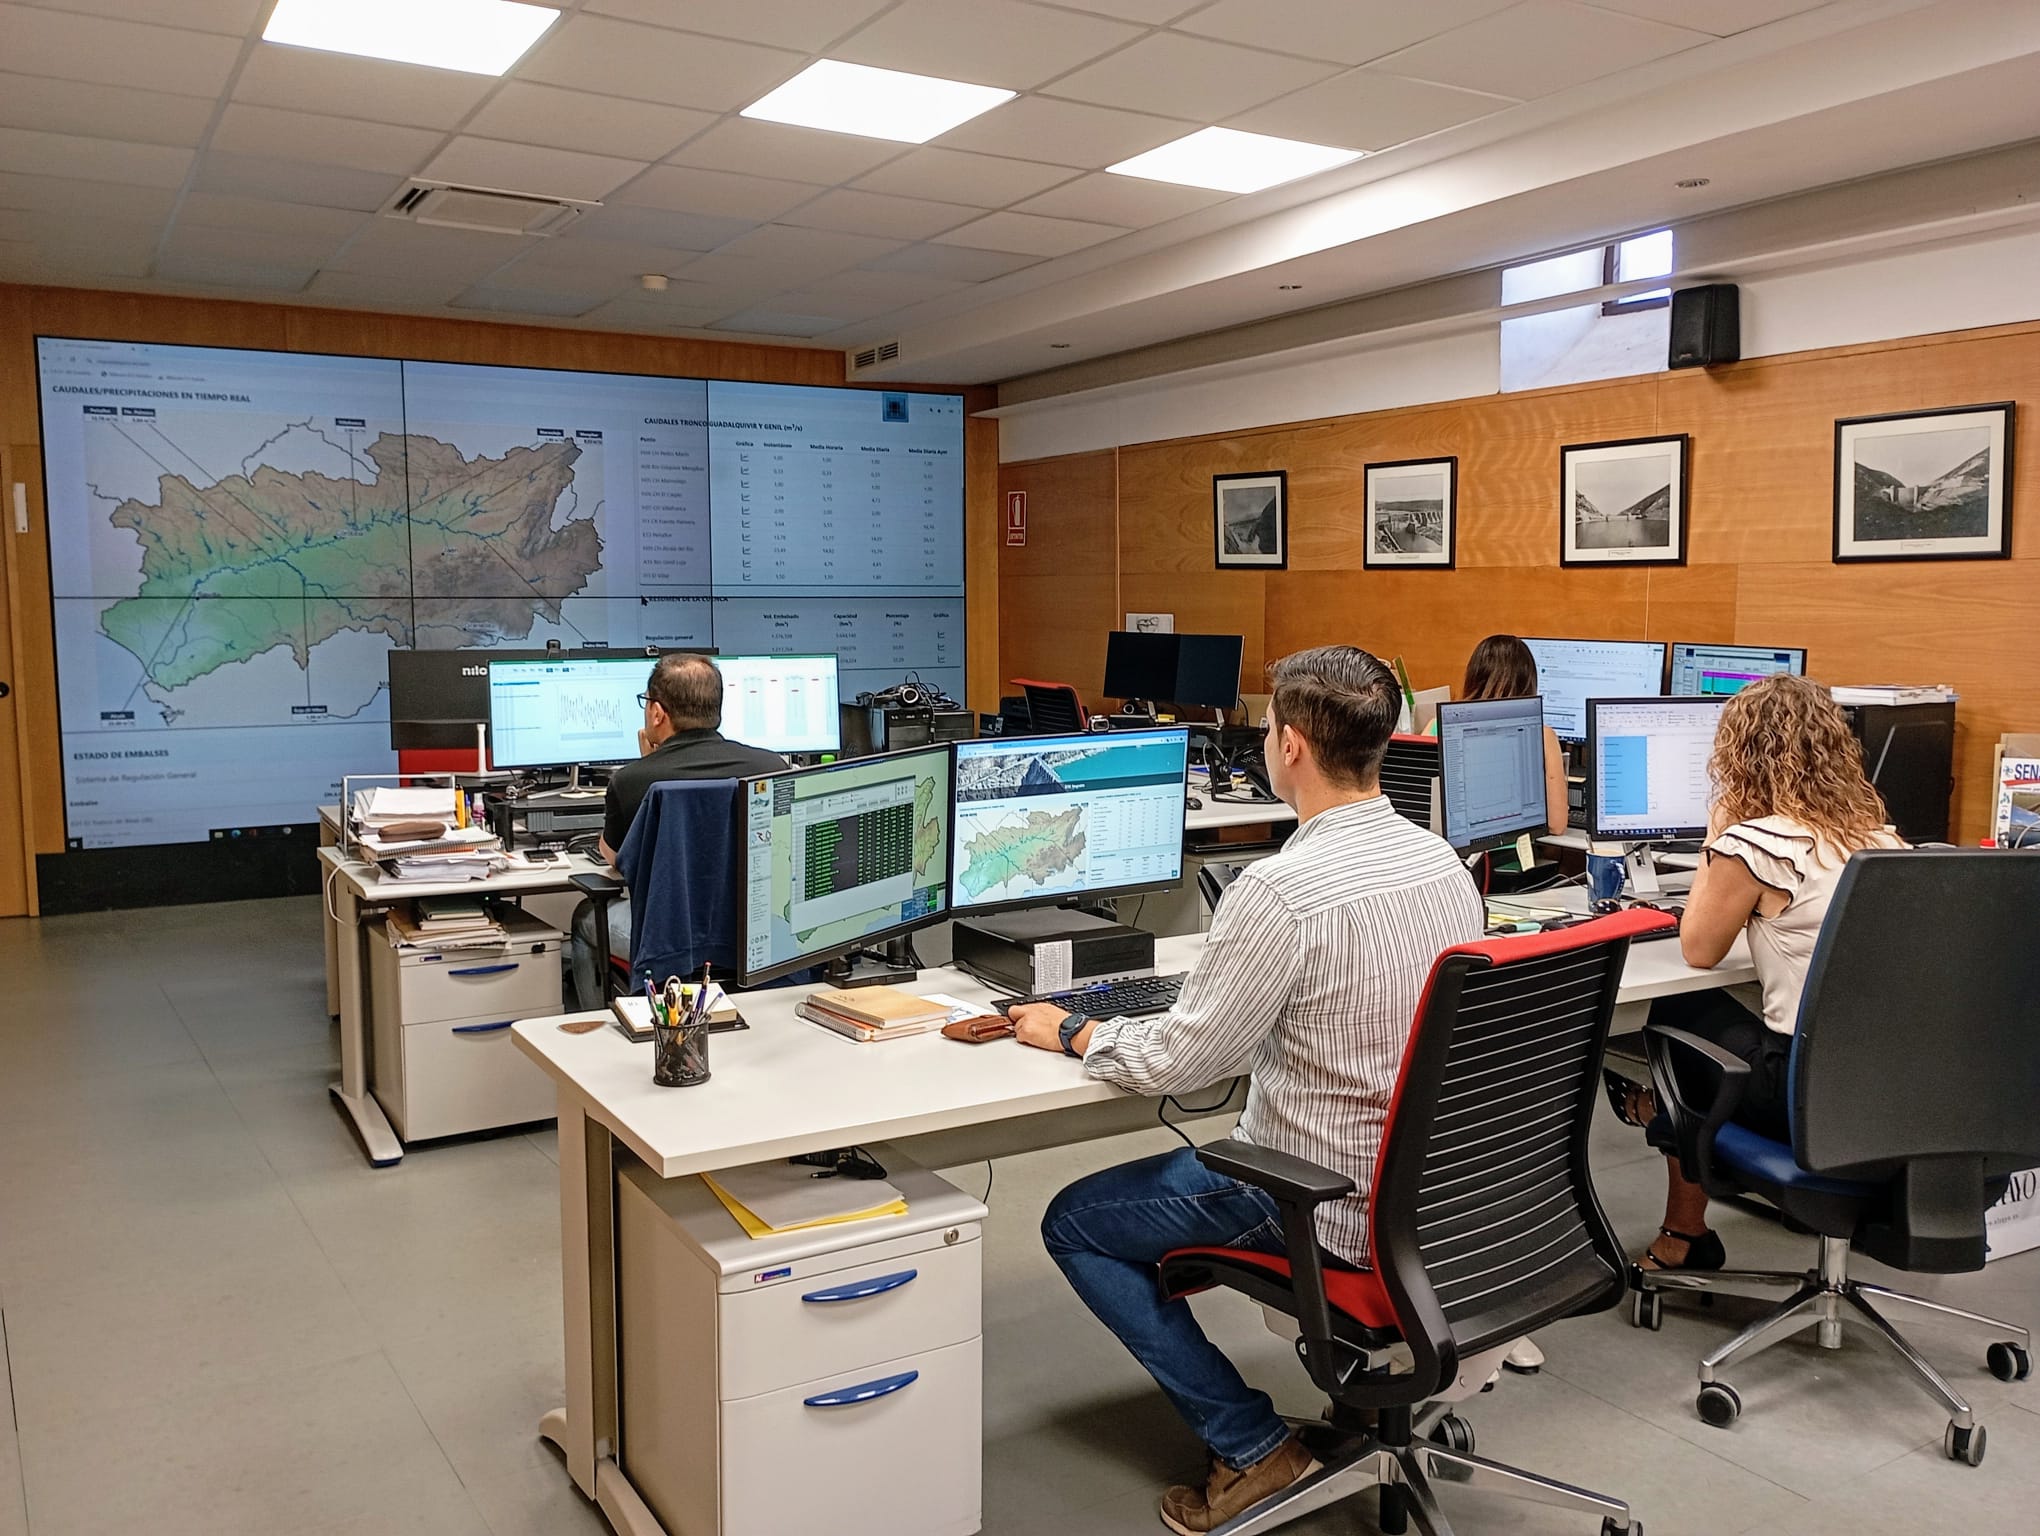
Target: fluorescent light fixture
[
  {"x": 480, "y": 37},
  {"x": 875, "y": 103},
  {"x": 1227, "y": 160}
]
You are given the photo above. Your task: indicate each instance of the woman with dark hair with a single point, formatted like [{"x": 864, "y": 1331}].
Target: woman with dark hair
[
  {"x": 1501, "y": 667},
  {"x": 1791, "y": 804}
]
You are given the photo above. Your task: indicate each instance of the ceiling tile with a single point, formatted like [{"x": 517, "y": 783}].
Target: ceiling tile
[
  {"x": 1153, "y": 12},
  {"x": 808, "y": 25},
  {"x": 781, "y": 254},
  {"x": 954, "y": 262},
  {"x": 29, "y": 153},
  {"x": 213, "y": 210},
  {"x": 193, "y": 250},
  {"x": 873, "y": 213},
  {"x": 1029, "y": 232},
  {"x": 1349, "y": 31},
  {"x": 1542, "y": 46},
  {"x": 233, "y": 276},
  {"x": 393, "y": 248},
  {"x": 68, "y": 199},
  {"x": 1127, "y": 201},
  {"x": 237, "y": 17},
  {"x": 418, "y": 290},
  {"x": 749, "y": 147},
  {"x": 1720, "y": 18},
  {"x": 98, "y": 247},
  {"x": 769, "y": 322},
  {"x": 1369, "y": 109},
  {"x": 628, "y": 314},
  {"x": 842, "y": 308},
  {"x": 312, "y": 80},
  {"x": 582, "y": 263},
  {"x": 987, "y": 42},
  {"x": 322, "y": 140},
  {"x": 596, "y": 125},
  {"x": 655, "y": 226},
  {"x": 73, "y": 47},
  {"x": 685, "y": 189},
  {"x": 328, "y": 186},
  {"x": 954, "y": 176},
  {"x": 620, "y": 58},
  {"x": 1065, "y": 132},
  {"x": 893, "y": 288},
  {"x": 102, "y": 111},
  {"x": 530, "y": 168},
  {"x": 1166, "y": 72},
  {"x": 527, "y": 301}
]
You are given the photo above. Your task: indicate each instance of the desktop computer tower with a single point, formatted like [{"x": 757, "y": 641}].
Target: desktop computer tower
[
  {"x": 1909, "y": 754},
  {"x": 869, "y": 729}
]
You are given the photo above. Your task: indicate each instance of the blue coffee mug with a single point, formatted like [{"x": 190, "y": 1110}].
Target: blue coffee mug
[{"x": 1605, "y": 874}]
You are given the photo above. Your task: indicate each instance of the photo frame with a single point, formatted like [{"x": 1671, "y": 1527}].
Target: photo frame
[
  {"x": 1250, "y": 521},
  {"x": 1412, "y": 511},
  {"x": 1924, "y": 485},
  {"x": 1623, "y": 502}
]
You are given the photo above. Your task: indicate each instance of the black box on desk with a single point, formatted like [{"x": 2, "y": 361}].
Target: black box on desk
[{"x": 1048, "y": 950}]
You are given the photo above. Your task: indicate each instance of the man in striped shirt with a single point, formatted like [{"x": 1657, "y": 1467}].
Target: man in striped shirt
[{"x": 1310, "y": 980}]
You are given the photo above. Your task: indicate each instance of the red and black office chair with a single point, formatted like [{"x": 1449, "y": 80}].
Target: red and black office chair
[
  {"x": 1052, "y": 708},
  {"x": 1483, "y": 1227}
]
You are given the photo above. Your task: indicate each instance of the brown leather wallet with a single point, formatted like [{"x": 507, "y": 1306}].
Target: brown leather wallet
[{"x": 986, "y": 1026}]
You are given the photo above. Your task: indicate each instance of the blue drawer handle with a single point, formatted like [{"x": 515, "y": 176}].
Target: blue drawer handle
[
  {"x": 485, "y": 970},
  {"x": 846, "y": 1397},
  {"x": 857, "y": 1290},
  {"x": 482, "y": 1029}
]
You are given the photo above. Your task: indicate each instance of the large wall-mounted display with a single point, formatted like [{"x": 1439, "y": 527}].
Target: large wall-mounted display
[{"x": 238, "y": 538}]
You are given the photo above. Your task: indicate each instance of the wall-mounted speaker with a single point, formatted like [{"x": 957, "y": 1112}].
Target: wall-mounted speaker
[{"x": 1706, "y": 326}]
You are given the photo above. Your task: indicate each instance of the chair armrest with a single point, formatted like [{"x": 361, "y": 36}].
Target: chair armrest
[
  {"x": 1285, "y": 1177},
  {"x": 598, "y": 887},
  {"x": 1704, "y": 1065}
]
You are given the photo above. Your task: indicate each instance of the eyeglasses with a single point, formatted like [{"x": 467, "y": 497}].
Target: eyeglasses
[{"x": 644, "y": 700}]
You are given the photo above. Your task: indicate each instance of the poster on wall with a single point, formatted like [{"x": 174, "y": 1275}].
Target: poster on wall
[
  {"x": 1412, "y": 513},
  {"x": 1925, "y": 485},
  {"x": 1250, "y": 520},
  {"x": 1623, "y": 503}
]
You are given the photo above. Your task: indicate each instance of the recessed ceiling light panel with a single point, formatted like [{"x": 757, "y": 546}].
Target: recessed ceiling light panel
[
  {"x": 480, "y": 37},
  {"x": 1227, "y": 160},
  {"x": 875, "y": 103}
]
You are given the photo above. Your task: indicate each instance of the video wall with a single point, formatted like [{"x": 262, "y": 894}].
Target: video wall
[{"x": 237, "y": 539}]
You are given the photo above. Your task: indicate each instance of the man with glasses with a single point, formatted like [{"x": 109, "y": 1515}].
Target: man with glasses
[{"x": 680, "y": 739}]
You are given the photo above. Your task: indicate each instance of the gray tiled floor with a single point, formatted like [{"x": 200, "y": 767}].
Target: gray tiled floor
[{"x": 214, "y": 1317}]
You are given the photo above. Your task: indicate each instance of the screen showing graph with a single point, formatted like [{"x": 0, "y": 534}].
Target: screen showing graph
[
  {"x": 1715, "y": 671},
  {"x": 1647, "y": 766},
  {"x": 238, "y": 539},
  {"x": 1491, "y": 774},
  {"x": 842, "y": 855},
  {"x": 782, "y": 703},
  {"x": 547, "y": 714}
]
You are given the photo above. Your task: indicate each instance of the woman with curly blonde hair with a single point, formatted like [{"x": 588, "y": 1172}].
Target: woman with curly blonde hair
[{"x": 1791, "y": 804}]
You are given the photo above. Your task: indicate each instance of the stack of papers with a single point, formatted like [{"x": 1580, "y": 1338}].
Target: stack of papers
[
  {"x": 1894, "y": 693},
  {"x": 453, "y": 866},
  {"x": 768, "y": 1198},
  {"x": 384, "y": 804}
]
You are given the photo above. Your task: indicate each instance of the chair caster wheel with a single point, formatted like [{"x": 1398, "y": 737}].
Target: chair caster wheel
[
  {"x": 2008, "y": 1362},
  {"x": 1963, "y": 1444},
  {"x": 1719, "y": 1404},
  {"x": 1610, "y": 1528},
  {"x": 1454, "y": 1433},
  {"x": 1646, "y": 1310}
]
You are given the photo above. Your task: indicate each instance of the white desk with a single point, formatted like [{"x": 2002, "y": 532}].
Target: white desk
[
  {"x": 1577, "y": 839},
  {"x": 786, "y": 1086},
  {"x": 1215, "y": 815},
  {"x": 356, "y": 891}
]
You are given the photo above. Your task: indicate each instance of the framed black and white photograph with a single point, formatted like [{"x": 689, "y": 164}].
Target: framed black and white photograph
[
  {"x": 1250, "y": 520},
  {"x": 1623, "y": 503},
  {"x": 1925, "y": 485},
  {"x": 1412, "y": 513}
]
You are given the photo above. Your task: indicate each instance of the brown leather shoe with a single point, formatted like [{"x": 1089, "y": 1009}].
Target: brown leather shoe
[{"x": 1226, "y": 1493}]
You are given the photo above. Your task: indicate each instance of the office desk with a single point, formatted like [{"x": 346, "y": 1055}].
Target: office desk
[
  {"x": 787, "y": 1086},
  {"x": 354, "y": 892},
  {"x": 1217, "y": 815}
]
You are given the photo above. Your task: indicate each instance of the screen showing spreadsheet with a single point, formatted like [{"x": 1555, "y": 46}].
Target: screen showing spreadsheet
[
  {"x": 1716, "y": 671},
  {"x": 1570, "y": 672},
  {"x": 566, "y": 710},
  {"x": 1647, "y": 766},
  {"x": 1491, "y": 780},
  {"x": 841, "y": 856},
  {"x": 781, "y": 703},
  {"x": 1043, "y": 818}
]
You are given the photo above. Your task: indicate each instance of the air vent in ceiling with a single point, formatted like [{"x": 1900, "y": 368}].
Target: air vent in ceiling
[
  {"x": 872, "y": 356},
  {"x": 485, "y": 208}
]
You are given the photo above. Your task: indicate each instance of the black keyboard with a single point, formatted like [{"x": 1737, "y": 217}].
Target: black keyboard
[{"x": 1109, "y": 999}]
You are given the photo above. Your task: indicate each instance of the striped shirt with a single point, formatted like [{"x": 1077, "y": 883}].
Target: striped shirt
[{"x": 1310, "y": 980}]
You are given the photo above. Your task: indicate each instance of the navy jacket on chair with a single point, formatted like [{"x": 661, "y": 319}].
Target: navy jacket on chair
[{"x": 680, "y": 859}]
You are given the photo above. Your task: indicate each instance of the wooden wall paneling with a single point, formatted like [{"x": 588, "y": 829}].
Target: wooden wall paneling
[
  {"x": 1059, "y": 592},
  {"x": 1690, "y": 602},
  {"x": 1210, "y": 602},
  {"x": 1328, "y": 483},
  {"x": 982, "y": 530},
  {"x": 35, "y": 657},
  {"x": 17, "y": 842}
]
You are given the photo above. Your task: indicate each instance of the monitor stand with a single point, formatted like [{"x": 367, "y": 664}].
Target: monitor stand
[
  {"x": 890, "y": 966},
  {"x": 575, "y": 789}
]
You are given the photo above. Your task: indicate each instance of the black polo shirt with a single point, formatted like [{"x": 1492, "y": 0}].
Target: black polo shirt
[{"x": 684, "y": 755}]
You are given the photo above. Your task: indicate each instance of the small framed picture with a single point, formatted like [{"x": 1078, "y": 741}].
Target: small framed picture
[
  {"x": 1412, "y": 513},
  {"x": 1250, "y": 521},
  {"x": 1925, "y": 485},
  {"x": 1623, "y": 503}
]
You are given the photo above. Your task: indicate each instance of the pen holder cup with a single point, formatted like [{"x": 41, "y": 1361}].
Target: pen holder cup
[{"x": 680, "y": 1054}]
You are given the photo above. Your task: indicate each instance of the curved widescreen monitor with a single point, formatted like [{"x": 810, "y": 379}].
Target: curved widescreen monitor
[
  {"x": 1046, "y": 819},
  {"x": 1647, "y": 761},
  {"x": 1570, "y": 672}
]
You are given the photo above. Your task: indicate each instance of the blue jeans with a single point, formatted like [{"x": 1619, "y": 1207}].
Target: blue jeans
[{"x": 1108, "y": 1233}]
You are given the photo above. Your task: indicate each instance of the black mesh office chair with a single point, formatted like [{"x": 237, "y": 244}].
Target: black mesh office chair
[
  {"x": 1483, "y": 1226},
  {"x": 1052, "y": 707},
  {"x": 1915, "y": 1078},
  {"x": 1410, "y": 766}
]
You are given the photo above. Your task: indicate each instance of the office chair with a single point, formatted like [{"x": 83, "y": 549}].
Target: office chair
[
  {"x": 1213, "y": 881},
  {"x": 1052, "y": 708},
  {"x": 1409, "y": 777},
  {"x": 1483, "y": 1226},
  {"x": 1914, "y": 1076}
]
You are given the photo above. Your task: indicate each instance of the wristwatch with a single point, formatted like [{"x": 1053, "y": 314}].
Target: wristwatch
[{"x": 1071, "y": 1026}]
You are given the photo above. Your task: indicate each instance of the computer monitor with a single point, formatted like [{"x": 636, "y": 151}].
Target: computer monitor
[
  {"x": 841, "y": 856},
  {"x": 1647, "y": 767},
  {"x": 558, "y": 711},
  {"x": 1202, "y": 670},
  {"x": 1491, "y": 771},
  {"x": 782, "y": 703},
  {"x": 1716, "y": 671},
  {"x": 1049, "y": 818},
  {"x": 437, "y": 698},
  {"x": 1208, "y": 670},
  {"x": 1139, "y": 665},
  {"x": 1570, "y": 672}
]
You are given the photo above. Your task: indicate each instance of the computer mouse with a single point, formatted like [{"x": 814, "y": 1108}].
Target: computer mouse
[
  {"x": 1607, "y": 904},
  {"x": 1193, "y": 803}
]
